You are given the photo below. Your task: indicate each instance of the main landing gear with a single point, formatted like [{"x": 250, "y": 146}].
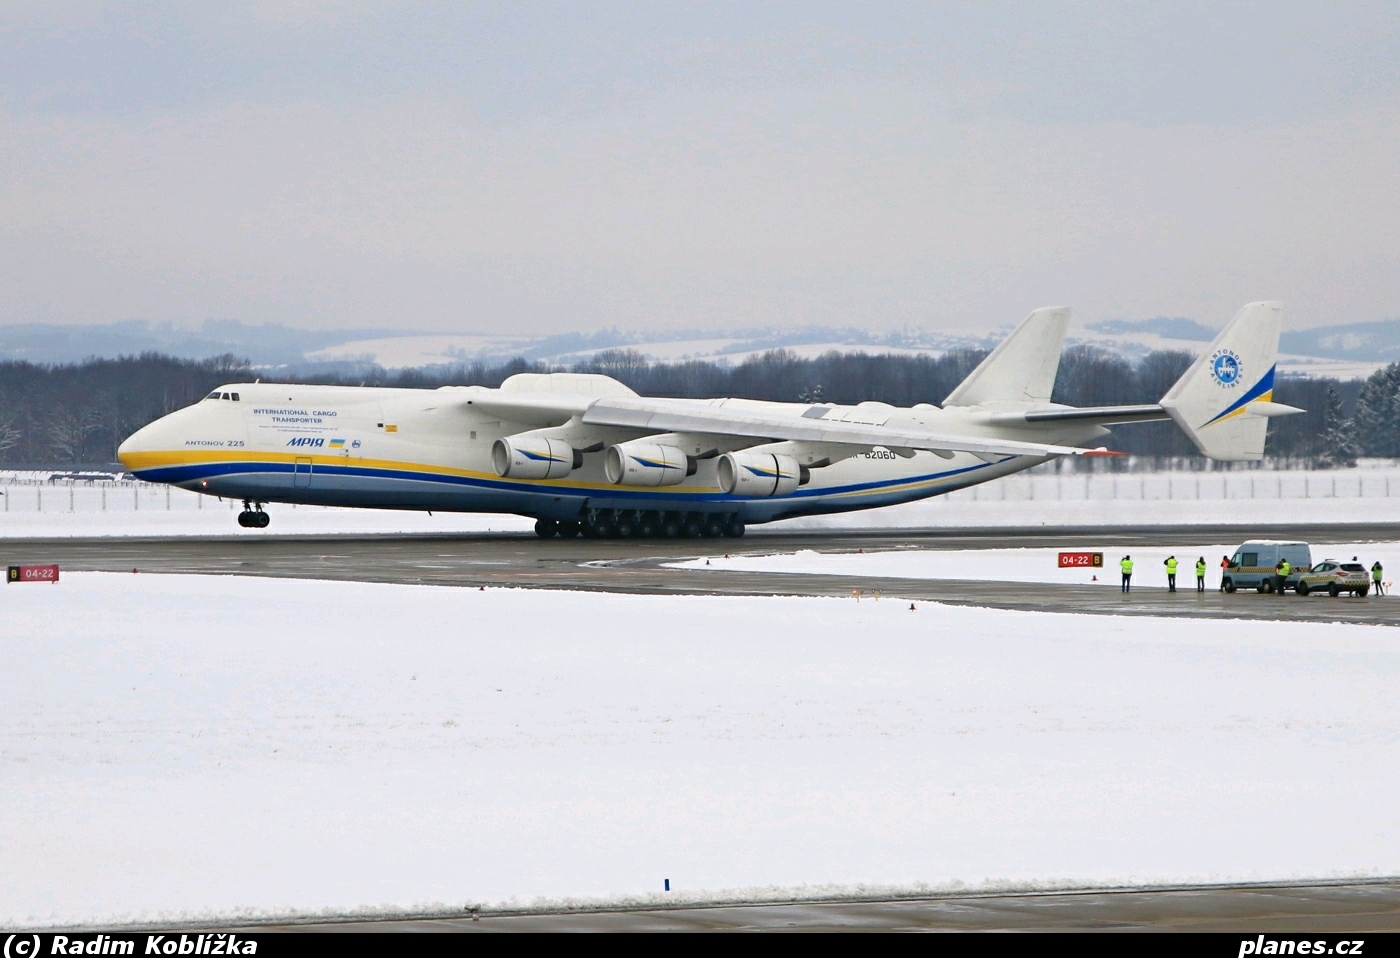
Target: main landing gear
[
  {"x": 252, "y": 516},
  {"x": 649, "y": 524}
]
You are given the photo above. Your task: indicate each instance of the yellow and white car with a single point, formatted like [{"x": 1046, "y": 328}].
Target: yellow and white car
[{"x": 1334, "y": 578}]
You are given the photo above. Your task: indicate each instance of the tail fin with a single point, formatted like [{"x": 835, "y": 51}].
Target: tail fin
[
  {"x": 1022, "y": 368},
  {"x": 1224, "y": 401}
]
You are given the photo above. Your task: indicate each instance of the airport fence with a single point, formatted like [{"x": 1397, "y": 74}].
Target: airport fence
[
  {"x": 96, "y": 497},
  {"x": 1211, "y": 486}
]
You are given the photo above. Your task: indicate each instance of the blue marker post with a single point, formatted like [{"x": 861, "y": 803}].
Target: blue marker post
[{"x": 668, "y": 884}]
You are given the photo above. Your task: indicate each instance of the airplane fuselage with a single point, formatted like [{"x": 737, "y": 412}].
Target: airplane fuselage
[{"x": 432, "y": 450}]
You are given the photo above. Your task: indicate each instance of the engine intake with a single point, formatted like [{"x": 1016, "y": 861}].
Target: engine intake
[
  {"x": 641, "y": 463},
  {"x": 759, "y": 474},
  {"x": 525, "y": 457}
]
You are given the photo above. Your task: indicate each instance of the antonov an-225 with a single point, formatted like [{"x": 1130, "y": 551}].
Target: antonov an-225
[{"x": 585, "y": 454}]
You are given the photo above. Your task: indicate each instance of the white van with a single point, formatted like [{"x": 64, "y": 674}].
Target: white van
[{"x": 1252, "y": 566}]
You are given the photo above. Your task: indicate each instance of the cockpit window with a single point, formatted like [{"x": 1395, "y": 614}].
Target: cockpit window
[
  {"x": 224, "y": 396},
  {"x": 235, "y": 396},
  {"x": 213, "y": 395}
]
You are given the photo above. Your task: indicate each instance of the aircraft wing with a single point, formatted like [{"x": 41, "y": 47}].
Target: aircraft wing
[{"x": 681, "y": 415}]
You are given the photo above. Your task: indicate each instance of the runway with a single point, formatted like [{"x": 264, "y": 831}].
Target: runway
[
  {"x": 505, "y": 560},
  {"x": 637, "y": 566},
  {"x": 1330, "y": 908}
]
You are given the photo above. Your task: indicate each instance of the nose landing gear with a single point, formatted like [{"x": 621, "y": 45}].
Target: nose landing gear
[{"x": 252, "y": 516}]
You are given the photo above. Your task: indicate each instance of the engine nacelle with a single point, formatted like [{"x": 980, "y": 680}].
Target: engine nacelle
[
  {"x": 642, "y": 463},
  {"x": 759, "y": 474},
  {"x": 532, "y": 457}
]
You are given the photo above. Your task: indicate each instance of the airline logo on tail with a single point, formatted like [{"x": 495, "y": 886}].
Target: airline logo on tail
[{"x": 1225, "y": 368}]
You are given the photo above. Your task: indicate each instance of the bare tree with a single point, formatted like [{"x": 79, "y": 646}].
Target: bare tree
[
  {"x": 9, "y": 433},
  {"x": 68, "y": 430}
]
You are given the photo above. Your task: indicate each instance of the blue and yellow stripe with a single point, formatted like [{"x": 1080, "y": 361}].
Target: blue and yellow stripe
[
  {"x": 1262, "y": 391},
  {"x": 183, "y": 467}
]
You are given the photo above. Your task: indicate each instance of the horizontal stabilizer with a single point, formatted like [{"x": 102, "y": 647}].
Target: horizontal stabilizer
[
  {"x": 1267, "y": 409},
  {"x": 1097, "y": 415}
]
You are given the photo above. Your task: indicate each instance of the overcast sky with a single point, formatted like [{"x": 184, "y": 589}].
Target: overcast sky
[{"x": 537, "y": 168}]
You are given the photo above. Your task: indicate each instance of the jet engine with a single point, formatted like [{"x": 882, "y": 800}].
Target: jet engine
[
  {"x": 642, "y": 463},
  {"x": 759, "y": 474},
  {"x": 533, "y": 457}
]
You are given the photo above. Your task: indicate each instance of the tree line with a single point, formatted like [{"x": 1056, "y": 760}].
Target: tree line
[{"x": 79, "y": 413}]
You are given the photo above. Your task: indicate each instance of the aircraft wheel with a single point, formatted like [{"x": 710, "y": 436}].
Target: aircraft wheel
[
  {"x": 671, "y": 526},
  {"x": 546, "y": 528},
  {"x": 625, "y": 529},
  {"x": 604, "y": 529},
  {"x": 734, "y": 528},
  {"x": 694, "y": 529},
  {"x": 647, "y": 525},
  {"x": 714, "y": 527},
  {"x": 245, "y": 519},
  {"x": 264, "y": 520},
  {"x": 567, "y": 529}
]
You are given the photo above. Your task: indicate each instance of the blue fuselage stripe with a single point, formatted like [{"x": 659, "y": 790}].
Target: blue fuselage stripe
[{"x": 213, "y": 470}]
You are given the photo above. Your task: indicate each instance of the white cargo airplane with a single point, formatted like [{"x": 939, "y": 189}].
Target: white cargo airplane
[{"x": 585, "y": 454}]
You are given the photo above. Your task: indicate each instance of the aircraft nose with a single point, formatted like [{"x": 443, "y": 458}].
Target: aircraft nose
[{"x": 129, "y": 452}]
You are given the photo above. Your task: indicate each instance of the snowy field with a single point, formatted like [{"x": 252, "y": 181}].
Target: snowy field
[
  {"x": 270, "y": 747},
  {"x": 1022, "y": 565},
  {"x": 31, "y": 508}
]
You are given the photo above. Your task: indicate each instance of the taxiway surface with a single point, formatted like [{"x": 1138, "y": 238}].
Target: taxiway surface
[{"x": 512, "y": 560}]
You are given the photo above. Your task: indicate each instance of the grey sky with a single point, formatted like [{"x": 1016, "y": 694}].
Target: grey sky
[{"x": 543, "y": 167}]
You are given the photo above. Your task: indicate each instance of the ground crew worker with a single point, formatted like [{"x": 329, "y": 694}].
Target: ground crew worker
[
  {"x": 1224, "y": 567},
  {"x": 1281, "y": 572},
  {"x": 1127, "y": 566},
  {"x": 1201, "y": 574},
  {"x": 1171, "y": 573},
  {"x": 1376, "y": 573}
]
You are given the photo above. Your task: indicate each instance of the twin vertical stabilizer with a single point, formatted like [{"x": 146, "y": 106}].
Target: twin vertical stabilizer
[
  {"x": 1224, "y": 401},
  {"x": 1022, "y": 368}
]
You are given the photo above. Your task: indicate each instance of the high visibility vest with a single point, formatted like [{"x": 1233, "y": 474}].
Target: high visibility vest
[
  {"x": 1127, "y": 566},
  {"x": 1200, "y": 569},
  {"x": 1171, "y": 567},
  {"x": 1284, "y": 568},
  {"x": 1376, "y": 572}
]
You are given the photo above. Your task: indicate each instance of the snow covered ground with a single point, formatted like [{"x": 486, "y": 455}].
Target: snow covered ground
[
  {"x": 1023, "y": 565},
  {"x": 266, "y": 747}
]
